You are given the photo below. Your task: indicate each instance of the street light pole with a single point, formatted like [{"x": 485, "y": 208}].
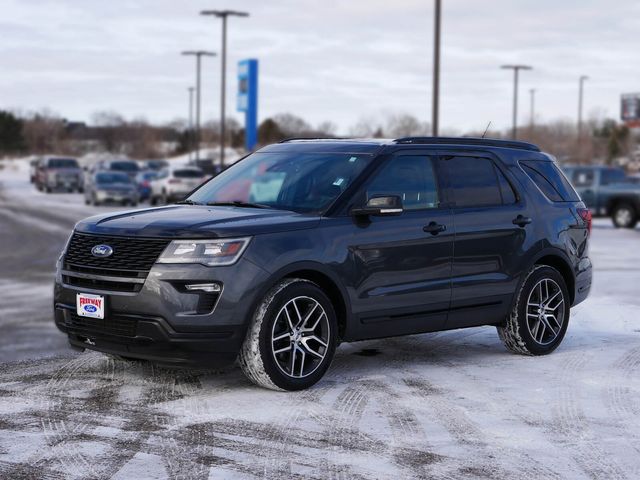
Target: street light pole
[
  {"x": 532, "y": 92},
  {"x": 580, "y": 102},
  {"x": 189, "y": 137},
  {"x": 435, "y": 108},
  {"x": 516, "y": 70},
  {"x": 198, "y": 54},
  {"x": 223, "y": 15}
]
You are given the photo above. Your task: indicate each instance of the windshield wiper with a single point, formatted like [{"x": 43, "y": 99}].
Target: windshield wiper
[
  {"x": 187, "y": 202},
  {"x": 237, "y": 203}
]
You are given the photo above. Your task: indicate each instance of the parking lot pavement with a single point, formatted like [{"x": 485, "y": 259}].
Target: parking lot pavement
[{"x": 448, "y": 405}]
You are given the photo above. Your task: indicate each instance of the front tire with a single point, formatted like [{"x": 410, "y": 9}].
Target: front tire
[
  {"x": 538, "y": 321},
  {"x": 624, "y": 216},
  {"x": 292, "y": 337}
]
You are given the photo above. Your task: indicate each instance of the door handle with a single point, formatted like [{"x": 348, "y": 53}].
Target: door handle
[
  {"x": 434, "y": 228},
  {"x": 522, "y": 221}
]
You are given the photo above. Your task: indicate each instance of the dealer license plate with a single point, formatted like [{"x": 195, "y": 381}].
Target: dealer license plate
[{"x": 88, "y": 305}]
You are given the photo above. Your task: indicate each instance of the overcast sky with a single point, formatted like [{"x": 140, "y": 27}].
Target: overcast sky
[{"x": 321, "y": 59}]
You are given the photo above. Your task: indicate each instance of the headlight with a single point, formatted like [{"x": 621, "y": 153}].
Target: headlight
[{"x": 225, "y": 251}]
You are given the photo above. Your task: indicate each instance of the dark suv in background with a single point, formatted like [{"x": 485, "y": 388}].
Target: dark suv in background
[{"x": 309, "y": 243}]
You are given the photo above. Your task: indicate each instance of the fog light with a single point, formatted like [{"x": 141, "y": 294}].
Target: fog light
[{"x": 204, "y": 287}]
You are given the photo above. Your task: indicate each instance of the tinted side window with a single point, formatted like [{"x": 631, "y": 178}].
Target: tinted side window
[
  {"x": 613, "y": 175},
  {"x": 412, "y": 178},
  {"x": 508, "y": 195},
  {"x": 550, "y": 180},
  {"x": 583, "y": 178},
  {"x": 474, "y": 182}
]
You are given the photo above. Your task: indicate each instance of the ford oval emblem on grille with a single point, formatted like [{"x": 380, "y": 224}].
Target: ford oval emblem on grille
[{"x": 102, "y": 251}]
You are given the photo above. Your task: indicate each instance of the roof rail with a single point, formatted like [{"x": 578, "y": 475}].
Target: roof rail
[
  {"x": 468, "y": 141},
  {"x": 293, "y": 139}
]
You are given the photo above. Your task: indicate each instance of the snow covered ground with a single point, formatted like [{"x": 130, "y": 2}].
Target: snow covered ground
[{"x": 447, "y": 405}]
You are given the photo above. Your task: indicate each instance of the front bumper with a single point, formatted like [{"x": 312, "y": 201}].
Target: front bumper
[
  {"x": 116, "y": 197},
  {"x": 161, "y": 321},
  {"x": 150, "y": 338}
]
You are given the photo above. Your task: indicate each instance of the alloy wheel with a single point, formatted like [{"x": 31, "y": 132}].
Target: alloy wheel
[
  {"x": 545, "y": 311},
  {"x": 300, "y": 337}
]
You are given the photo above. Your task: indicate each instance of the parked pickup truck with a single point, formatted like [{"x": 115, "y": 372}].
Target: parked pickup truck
[{"x": 607, "y": 191}]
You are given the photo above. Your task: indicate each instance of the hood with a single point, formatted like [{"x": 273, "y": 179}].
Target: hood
[{"x": 193, "y": 221}]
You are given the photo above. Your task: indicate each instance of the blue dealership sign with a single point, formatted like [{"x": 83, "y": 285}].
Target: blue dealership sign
[{"x": 248, "y": 99}]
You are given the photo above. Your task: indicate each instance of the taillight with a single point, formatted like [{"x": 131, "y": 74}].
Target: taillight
[{"x": 585, "y": 215}]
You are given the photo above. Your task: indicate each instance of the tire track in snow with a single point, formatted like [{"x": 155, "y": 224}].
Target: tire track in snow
[
  {"x": 571, "y": 424},
  {"x": 483, "y": 457}
]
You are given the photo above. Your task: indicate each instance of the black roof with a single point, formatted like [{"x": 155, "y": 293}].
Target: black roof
[{"x": 471, "y": 141}]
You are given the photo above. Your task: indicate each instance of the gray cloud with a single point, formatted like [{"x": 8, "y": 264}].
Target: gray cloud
[{"x": 330, "y": 60}]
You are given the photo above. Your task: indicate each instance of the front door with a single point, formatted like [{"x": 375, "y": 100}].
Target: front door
[{"x": 402, "y": 264}]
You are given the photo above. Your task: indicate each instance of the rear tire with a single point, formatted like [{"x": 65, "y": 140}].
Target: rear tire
[
  {"x": 624, "y": 216},
  {"x": 538, "y": 321},
  {"x": 292, "y": 337}
]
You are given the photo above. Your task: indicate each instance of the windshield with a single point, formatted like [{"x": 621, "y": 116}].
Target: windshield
[
  {"x": 300, "y": 182},
  {"x": 124, "y": 166},
  {"x": 110, "y": 177},
  {"x": 63, "y": 163},
  {"x": 188, "y": 173}
]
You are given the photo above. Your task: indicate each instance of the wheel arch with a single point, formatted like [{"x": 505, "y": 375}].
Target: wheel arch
[
  {"x": 325, "y": 279},
  {"x": 557, "y": 259}
]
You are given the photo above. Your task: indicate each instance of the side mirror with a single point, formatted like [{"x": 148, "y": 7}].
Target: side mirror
[{"x": 380, "y": 206}]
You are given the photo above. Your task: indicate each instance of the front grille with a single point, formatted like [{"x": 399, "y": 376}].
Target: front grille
[
  {"x": 123, "y": 271},
  {"x": 112, "y": 325},
  {"x": 102, "y": 284},
  {"x": 137, "y": 254}
]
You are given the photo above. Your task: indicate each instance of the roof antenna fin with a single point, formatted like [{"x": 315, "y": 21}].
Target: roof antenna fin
[{"x": 486, "y": 129}]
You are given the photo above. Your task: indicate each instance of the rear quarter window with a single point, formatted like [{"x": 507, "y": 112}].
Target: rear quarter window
[{"x": 550, "y": 180}]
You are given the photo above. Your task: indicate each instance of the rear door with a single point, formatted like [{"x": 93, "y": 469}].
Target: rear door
[{"x": 491, "y": 222}]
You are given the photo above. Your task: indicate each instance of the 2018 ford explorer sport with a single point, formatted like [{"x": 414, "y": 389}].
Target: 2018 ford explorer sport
[{"x": 309, "y": 243}]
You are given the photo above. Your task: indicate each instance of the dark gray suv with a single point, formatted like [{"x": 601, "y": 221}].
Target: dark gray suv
[{"x": 309, "y": 243}]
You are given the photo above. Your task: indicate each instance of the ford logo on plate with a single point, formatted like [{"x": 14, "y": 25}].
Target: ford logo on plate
[
  {"x": 102, "y": 251},
  {"x": 90, "y": 308}
]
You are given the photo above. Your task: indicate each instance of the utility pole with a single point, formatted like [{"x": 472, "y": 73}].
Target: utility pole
[
  {"x": 198, "y": 54},
  {"x": 223, "y": 14},
  {"x": 190, "y": 129},
  {"x": 580, "y": 102},
  {"x": 532, "y": 120},
  {"x": 435, "y": 108},
  {"x": 516, "y": 70}
]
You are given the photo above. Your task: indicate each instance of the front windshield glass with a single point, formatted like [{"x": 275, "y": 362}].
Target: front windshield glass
[
  {"x": 63, "y": 163},
  {"x": 300, "y": 182},
  {"x": 105, "y": 178},
  {"x": 124, "y": 166}
]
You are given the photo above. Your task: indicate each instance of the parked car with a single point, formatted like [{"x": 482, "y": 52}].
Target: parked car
[
  {"x": 607, "y": 191},
  {"x": 58, "y": 173},
  {"x": 175, "y": 183},
  {"x": 306, "y": 244},
  {"x": 155, "y": 165},
  {"x": 33, "y": 167},
  {"x": 130, "y": 167},
  {"x": 143, "y": 181},
  {"x": 109, "y": 187}
]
